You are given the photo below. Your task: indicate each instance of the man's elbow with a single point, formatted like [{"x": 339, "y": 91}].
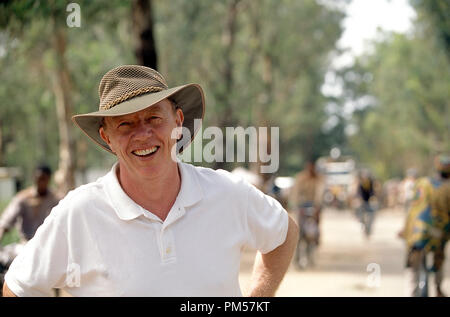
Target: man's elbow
[{"x": 7, "y": 292}]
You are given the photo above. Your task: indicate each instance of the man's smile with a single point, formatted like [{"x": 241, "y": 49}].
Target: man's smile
[{"x": 145, "y": 152}]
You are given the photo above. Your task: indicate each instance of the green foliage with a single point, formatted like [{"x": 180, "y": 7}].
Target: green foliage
[
  {"x": 407, "y": 121},
  {"x": 436, "y": 14},
  {"x": 28, "y": 122},
  {"x": 276, "y": 61},
  {"x": 261, "y": 63},
  {"x": 12, "y": 235},
  {"x": 278, "y": 58}
]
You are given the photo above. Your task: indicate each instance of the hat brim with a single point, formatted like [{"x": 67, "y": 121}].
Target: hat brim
[{"x": 190, "y": 98}]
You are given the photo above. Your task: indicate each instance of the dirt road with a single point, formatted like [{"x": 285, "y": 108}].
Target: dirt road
[{"x": 348, "y": 264}]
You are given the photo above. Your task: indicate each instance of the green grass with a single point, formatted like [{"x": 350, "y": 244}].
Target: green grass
[
  {"x": 3, "y": 204},
  {"x": 12, "y": 235}
]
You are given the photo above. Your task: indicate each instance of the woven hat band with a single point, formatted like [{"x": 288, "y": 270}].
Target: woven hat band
[
  {"x": 130, "y": 95},
  {"x": 126, "y": 82}
]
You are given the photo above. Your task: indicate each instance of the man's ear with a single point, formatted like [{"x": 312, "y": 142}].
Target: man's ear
[
  {"x": 180, "y": 117},
  {"x": 104, "y": 136}
]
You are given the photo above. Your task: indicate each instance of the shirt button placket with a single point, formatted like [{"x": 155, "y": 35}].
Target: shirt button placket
[
  {"x": 167, "y": 246},
  {"x": 166, "y": 238}
]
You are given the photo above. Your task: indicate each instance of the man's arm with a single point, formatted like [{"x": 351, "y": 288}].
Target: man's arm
[
  {"x": 270, "y": 268},
  {"x": 7, "y": 292},
  {"x": 10, "y": 215}
]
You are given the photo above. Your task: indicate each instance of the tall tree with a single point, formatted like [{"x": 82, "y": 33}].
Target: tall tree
[
  {"x": 402, "y": 97},
  {"x": 142, "y": 21},
  {"x": 62, "y": 88},
  {"x": 50, "y": 71},
  {"x": 279, "y": 54},
  {"x": 437, "y": 14},
  {"x": 260, "y": 64},
  {"x": 227, "y": 71},
  {"x": 23, "y": 14}
]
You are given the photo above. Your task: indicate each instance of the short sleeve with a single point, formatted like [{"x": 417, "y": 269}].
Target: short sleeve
[
  {"x": 42, "y": 263},
  {"x": 266, "y": 221}
]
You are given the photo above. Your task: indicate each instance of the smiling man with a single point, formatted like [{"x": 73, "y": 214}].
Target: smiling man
[
  {"x": 142, "y": 142},
  {"x": 154, "y": 226}
]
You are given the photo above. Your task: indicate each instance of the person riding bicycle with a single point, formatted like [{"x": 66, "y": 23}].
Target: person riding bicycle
[
  {"x": 427, "y": 227},
  {"x": 366, "y": 194},
  {"x": 308, "y": 190}
]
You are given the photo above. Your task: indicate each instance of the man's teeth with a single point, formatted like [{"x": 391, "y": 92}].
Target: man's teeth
[{"x": 146, "y": 151}]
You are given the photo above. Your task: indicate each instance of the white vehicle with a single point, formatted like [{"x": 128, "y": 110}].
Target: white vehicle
[{"x": 340, "y": 180}]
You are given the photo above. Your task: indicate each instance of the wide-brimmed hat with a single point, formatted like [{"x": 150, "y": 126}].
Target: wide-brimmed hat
[{"x": 131, "y": 88}]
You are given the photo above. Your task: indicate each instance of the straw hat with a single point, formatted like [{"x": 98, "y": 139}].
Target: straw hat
[{"x": 131, "y": 88}]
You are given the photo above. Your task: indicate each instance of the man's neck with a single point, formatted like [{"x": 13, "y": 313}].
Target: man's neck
[
  {"x": 40, "y": 193},
  {"x": 157, "y": 195}
]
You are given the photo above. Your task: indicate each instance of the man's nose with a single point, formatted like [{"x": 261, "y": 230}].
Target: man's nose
[{"x": 143, "y": 129}]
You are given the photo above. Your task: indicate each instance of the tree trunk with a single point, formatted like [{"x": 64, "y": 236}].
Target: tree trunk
[
  {"x": 261, "y": 118},
  {"x": 145, "y": 47},
  {"x": 65, "y": 175},
  {"x": 228, "y": 39}
]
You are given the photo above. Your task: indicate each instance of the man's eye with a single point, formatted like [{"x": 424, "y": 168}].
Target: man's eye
[{"x": 122, "y": 124}]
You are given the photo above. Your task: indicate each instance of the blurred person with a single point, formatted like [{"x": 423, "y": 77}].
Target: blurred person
[
  {"x": 306, "y": 199},
  {"x": 308, "y": 188},
  {"x": 273, "y": 190},
  {"x": 270, "y": 187},
  {"x": 26, "y": 211},
  {"x": 407, "y": 187},
  {"x": 366, "y": 194},
  {"x": 392, "y": 193},
  {"x": 427, "y": 229},
  {"x": 154, "y": 226},
  {"x": 30, "y": 207}
]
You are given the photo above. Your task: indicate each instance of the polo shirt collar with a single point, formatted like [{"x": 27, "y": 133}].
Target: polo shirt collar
[
  {"x": 190, "y": 191},
  {"x": 126, "y": 209}
]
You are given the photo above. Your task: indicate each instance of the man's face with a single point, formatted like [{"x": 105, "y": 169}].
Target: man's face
[
  {"x": 143, "y": 140},
  {"x": 41, "y": 180},
  {"x": 311, "y": 167}
]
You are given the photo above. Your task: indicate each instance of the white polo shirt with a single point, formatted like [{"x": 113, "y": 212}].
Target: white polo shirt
[{"x": 98, "y": 242}]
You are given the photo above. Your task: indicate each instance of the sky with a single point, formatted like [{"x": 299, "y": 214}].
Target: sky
[
  {"x": 363, "y": 19},
  {"x": 365, "y": 16}
]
